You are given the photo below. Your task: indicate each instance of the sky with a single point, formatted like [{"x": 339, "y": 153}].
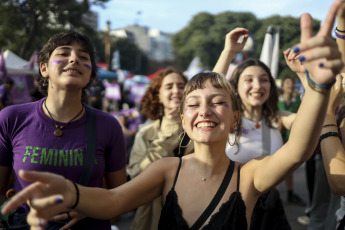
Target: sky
[{"x": 173, "y": 15}]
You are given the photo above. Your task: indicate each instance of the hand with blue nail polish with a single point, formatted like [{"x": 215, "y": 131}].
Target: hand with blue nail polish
[{"x": 320, "y": 54}]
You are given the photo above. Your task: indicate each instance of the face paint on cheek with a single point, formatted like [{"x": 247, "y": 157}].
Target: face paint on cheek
[
  {"x": 55, "y": 62},
  {"x": 88, "y": 66}
]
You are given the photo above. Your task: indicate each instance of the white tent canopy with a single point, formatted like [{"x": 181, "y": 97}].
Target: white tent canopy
[{"x": 17, "y": 65}]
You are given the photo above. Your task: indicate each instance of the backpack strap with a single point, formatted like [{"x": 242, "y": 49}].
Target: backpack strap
[{"x": 91, "y": 141}]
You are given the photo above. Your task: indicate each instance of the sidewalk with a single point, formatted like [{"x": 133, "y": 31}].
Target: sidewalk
[{"x": 292, "y": 211}]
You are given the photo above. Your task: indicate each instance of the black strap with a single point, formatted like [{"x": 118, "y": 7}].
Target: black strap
[
  {"x": 208, "y": 211},
  {"x": 342, "y": 224},
  {"x": 238, "y": 177},
  {"x": 178, "y": 171},
  {"x": 91, "y": 141}
]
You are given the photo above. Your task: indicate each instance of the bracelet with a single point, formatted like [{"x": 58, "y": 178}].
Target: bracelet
[
  {"x": 77, "y": 199},
  {"x": 340, "y": 36},
  {"x": 341, "y": 31},
  {"x": 329, "y": 125},
  {"x": 329, "y": 134},
  {"x": 319, "y": 87}
]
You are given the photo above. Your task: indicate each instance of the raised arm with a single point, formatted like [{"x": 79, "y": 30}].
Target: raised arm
[
  {"x": 322, "y": 59},
  {"x": 50, "y": 194},
  {"x": 231, "y": 48},
  {"x": 333, "y": 153}
]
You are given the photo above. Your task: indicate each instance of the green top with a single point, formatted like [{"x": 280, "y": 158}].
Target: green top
[{"x": 294, "y": 105}]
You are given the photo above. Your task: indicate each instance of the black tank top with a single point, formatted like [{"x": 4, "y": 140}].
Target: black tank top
[{"x": 231, "y": 214}]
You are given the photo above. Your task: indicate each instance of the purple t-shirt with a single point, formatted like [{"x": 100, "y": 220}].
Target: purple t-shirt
[{"x": 27, "y": 141}]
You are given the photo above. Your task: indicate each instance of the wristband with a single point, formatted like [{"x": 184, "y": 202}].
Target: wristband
[
  {"x": 77, "y": 198},
  {"x": 341, "y": 31},
  {"x": 340, "y": 36},
  {"x": 329, "y": 134},
  {"x": 329, "y": 125},
  {"x": 319, "y": 87}
]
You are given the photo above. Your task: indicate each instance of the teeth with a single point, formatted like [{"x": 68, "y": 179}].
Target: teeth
[
  {"x": 72, "y": 70},
  {"x": 206, "y": 124},
  {"x": 256, "y": 94}
]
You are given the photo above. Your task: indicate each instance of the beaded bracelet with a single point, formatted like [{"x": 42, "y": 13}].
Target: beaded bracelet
[
  {"x": 340, "y": 36},
  {"x": 318, "y": 87},
  {"x": 329, "y": 134},
  {"x": 77, "y": 199}
]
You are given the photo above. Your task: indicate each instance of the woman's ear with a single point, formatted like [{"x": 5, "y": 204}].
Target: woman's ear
[
  {"x": 183, "y": 123},
  {"x": 44, "y": 69}
]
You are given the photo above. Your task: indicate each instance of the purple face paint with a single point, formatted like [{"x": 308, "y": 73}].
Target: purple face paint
[
  {"x": 185, "y": 109},
  {"x": 226, "y": 105},
  {"x": 55, "y": 62},
  {"x": 88, "y": 66}
]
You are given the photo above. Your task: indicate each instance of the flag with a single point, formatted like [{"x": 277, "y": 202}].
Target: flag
[{"x": 3, "y": 71}]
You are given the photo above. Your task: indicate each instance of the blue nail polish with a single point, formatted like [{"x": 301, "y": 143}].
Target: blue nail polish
[
  {"x": 296, "y": 49},
  {"x": 301, "y": 58},
  {"x": 59, "y": 200},
  {"x": 41, "y": 223},
  {"x": 321, "y": 65}
]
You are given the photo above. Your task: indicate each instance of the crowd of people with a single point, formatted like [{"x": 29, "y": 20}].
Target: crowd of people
[{"x": 204, "y": 153}]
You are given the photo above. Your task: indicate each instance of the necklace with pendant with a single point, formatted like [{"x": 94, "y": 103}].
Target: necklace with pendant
[
  {"x": 58, "y": 132},
  {"x": 257, "y": 125},
  {"x": 203, "y": 178}
]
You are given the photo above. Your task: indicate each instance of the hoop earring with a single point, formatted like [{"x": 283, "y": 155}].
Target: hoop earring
[
  {"x": 180, "y": 144},
  {"x": 181, "y": 140}
]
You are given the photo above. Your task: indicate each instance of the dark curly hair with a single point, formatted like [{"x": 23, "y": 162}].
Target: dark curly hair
[
  {"x": 270, "y": 107},
  {"x": 150, "y": 105},
  {"x": 61, "y": 39}
]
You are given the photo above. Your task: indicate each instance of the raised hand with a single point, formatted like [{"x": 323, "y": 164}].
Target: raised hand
[
  {"x": 231, "y": 40},
  {"x": 232, "y": 47},
  {"x": 292, "y": 61},
  {"x": 320, "y": 54}
]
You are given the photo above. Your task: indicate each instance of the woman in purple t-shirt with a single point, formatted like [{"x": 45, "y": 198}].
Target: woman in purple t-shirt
[{"x": 50, "y": 134}]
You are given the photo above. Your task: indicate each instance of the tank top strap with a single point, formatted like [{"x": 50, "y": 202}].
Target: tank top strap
[
  {"x": 178, "y": 171},
  {"x": 238, "y": 177}
]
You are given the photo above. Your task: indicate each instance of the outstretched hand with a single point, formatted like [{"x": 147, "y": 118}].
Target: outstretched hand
[
  {"x": 46, "y": 196},
  {"x": 320, "y": 54}
]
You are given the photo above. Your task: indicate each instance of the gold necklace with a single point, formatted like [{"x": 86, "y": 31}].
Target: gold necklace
[{"x": 58, "y": 132}]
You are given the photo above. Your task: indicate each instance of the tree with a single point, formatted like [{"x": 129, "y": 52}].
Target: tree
[
  {"x": 25, "y": 25},
  {"x": 204, "y": 36}
]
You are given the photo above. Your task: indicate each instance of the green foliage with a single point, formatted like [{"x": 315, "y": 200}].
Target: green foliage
[
  {"x": 25, "y": 25},
  {"x": 204, "y": 36}
]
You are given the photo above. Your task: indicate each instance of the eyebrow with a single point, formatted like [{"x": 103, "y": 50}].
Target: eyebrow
[
  {"x": 212, "y": 95},
  {"x": 68, "y": 48}
]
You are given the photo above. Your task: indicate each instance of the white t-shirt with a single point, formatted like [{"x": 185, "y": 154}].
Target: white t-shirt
[{"x": 250, "y": 142}]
